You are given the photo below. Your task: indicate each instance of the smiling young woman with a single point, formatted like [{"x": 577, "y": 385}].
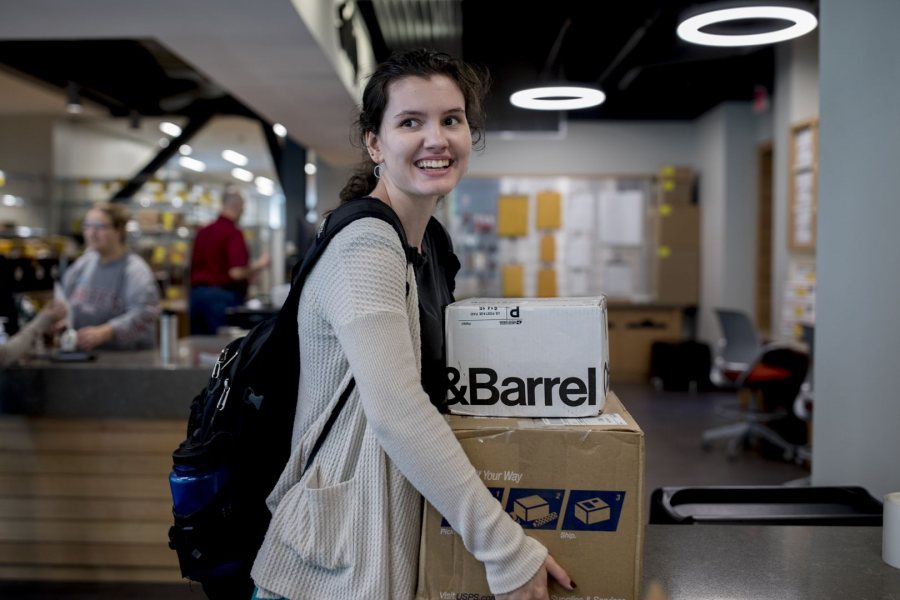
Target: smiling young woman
[{"x": 348, "y": 527}]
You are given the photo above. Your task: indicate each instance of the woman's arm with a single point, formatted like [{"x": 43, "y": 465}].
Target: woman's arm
[{"x": 19, "y": 344}]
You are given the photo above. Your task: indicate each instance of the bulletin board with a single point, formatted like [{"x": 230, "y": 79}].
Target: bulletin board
[
  {"x": 803, "y": 193},
  {"x": 553, "y": 235}
]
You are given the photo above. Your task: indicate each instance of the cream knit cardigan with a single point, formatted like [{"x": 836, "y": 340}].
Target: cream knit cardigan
[{"x": 349, "y": 528}]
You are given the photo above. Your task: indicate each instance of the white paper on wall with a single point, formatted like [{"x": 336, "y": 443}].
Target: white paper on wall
[
  {"x": 621, "y": 218},
  {"x": 618, "y": 279},
  {"x": 579, "y": 212},
  {"x": 578, "y": 282},
  {"x": 579, "y": 252},
  {"x": 803, "y": 149}
]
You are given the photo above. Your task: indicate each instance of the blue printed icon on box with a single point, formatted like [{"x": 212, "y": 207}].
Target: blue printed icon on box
[
  {"x": 495, "y": 492},
  {"x": 591, "y": 510},
  {"x": 535, "y": 509}
]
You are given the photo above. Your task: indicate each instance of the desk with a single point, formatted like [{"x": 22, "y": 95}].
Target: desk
[
  {"x": 632, "y": 330},
  {"x": 739, "y": 562},
  {"x": 119, "y": 384}
]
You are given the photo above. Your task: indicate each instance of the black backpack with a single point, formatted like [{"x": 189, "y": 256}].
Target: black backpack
[{"x": 239, "y": 435}]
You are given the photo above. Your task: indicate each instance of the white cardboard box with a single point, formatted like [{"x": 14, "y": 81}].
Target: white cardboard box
[{"x": 527, "y": 357}]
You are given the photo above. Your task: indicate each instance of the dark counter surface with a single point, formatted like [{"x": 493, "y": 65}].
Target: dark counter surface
[
  {"x": 773, "y": 562},
  {"x": 126, "y": 384}
]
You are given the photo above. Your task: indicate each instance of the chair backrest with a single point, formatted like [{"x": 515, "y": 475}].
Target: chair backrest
[{"x": 741, "y": 342}]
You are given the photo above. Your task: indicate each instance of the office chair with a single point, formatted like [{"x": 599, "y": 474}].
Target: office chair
[{"x": 770, "y": 374}]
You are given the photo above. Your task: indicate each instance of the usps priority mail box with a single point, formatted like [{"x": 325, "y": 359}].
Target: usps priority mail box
[{"x": 527, "y": 357}]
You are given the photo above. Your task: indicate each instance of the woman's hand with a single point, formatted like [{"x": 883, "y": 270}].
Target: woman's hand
[
  {"x": 536, "y": 587},
  {"x": 91, "y": 337}
]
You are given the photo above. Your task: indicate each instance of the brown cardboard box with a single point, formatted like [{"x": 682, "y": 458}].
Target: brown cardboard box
[
  {"x": 574, "y": 484},
  {"x": 677, "y": 274},
  {"x": 677, "y": 225},
  {"x": 676, "y": 185},
  {"x": 632, "y": 332}
]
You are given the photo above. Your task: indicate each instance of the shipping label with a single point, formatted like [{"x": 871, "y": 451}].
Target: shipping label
[{"x": 488, "y": 315}]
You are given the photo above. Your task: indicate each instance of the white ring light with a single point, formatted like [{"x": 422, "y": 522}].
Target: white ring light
[
  {"x": 802, "y": 23},
  {"x": 557, "y": 98}
]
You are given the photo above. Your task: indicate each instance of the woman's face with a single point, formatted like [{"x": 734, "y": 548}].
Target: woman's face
[
  {"x": 424, "y": 141},
  {"x": 99, "y": 233}
]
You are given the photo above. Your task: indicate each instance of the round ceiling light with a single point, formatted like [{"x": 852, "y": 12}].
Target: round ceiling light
[
  {"x": 802, "y": 22},
  {"x": 557, "y": 98}
]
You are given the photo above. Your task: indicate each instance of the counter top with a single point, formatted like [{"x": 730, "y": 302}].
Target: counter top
[
  {"x": 125, "y": 384},
  {"x": 751, "y": 562}
]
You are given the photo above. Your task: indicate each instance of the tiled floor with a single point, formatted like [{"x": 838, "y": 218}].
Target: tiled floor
[{"x": 672, "y": 423}]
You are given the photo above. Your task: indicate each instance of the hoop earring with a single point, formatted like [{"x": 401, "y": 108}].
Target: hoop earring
[{"x": 377, "y": 171}]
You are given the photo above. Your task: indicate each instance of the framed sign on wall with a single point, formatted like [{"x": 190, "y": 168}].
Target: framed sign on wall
[{"x": 803, "y": 202}]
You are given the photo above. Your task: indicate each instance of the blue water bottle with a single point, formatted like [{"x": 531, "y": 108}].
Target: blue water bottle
[{"x": 193, "y": 487}]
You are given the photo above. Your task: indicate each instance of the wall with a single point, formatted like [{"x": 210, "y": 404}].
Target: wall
[
  {"x": 25, "y": 159},
  {"x": 321, "y": 17},
  {"x": 796, "y": 99},
  {"x": 857, "y": 330},
  {"x": 590, "y": 149},
  {"x": 726, "y": 145}
]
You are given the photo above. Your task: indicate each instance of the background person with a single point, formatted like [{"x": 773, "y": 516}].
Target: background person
[
  {"x": 220, "y": 267},
  {"x": 349, "y": 527},
  {"x": 45, "y": 321},
  {"x": 112, "y": 294}
]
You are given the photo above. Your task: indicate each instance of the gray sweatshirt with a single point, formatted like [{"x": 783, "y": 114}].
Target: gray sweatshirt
[{"x": 122, "y": 293}]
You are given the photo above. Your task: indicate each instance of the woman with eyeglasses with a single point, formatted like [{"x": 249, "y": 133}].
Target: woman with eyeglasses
[{"x": 112, "y": 293}]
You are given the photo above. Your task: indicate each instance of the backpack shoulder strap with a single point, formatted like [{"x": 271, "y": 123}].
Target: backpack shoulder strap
[{"x": 334, "y": 222}]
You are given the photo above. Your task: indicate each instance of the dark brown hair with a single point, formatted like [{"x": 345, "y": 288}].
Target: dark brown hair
[{"x": 472, "y": 81}]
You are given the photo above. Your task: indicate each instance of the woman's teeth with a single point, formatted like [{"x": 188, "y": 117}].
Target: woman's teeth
[{"x": 433, "y": 164}]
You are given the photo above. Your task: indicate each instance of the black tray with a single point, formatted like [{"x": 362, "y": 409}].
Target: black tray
[
  {"x": 75, "y": 356},
  {"x": 765, "y": 505}
]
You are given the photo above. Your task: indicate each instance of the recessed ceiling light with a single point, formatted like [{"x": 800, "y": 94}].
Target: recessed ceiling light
[
  {"x": 265, "y": 186},
  {"x": 557, "y": 98},
  {"x": 242, "y": 174},
  {"x": 279, "y": 129},
  {"x": 192, "y": 163},
  {"x": 691, "y": 29},
  {"x": 170, "y": 128},
  {"x": 310, "y": 168},
  {"x": 235, "y": 158},
  {"x": 185, "y": 150}
]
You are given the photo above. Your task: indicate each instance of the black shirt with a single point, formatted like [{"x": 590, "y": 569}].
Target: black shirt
[{"x": 435, "y": 270}]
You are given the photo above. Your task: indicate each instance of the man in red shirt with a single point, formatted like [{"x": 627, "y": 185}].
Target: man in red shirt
[{"x": 220, "y": 267}]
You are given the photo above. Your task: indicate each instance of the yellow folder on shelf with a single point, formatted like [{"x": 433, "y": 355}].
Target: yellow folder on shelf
[
  {"x": 548, "y": 248},
  {"x": 546, "y": 283},
  {"x": 549, "y": 211},
  {"x": 513, "y": 281},
  {"x": 512, "y": 216}
]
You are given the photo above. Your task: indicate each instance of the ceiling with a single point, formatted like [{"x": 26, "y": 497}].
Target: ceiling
[
  {"x": 628, "y": 49},
  {"x": 167, "y": 57}
]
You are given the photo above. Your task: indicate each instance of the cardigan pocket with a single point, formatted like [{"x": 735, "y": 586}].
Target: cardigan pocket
[{"x": 322, "y": 531}]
